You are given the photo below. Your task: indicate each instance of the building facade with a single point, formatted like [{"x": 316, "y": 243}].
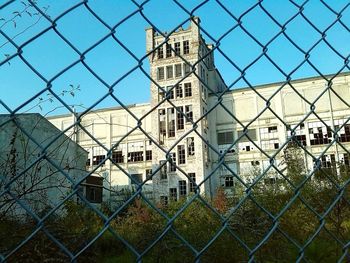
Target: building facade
[
  {"x": 39, "y": 165},
  {"x": 195, "y": 135}
]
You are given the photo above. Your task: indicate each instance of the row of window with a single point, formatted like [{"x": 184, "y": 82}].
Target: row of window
[
  {"x": 177, "y": 48},
  {"x": 180, "y": 91},
  {"x": 173, "y": 71},
  {"x": 118, "y": 157}
]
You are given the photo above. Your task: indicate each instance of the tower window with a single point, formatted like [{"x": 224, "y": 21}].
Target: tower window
[
  {"x": 189, "y": 113},
  {"x": 160, "y": 73},
  {"x": 190, "y": 146},
  {"x": 177, "y": 48},
  {"x": 180, "y": 118},
  {"x": 178, "y": 70},
  {"x": 169, "y": 72},
  {"x": 186, "y": 47},
  {"x": 160, "y": 52},
  {"x": 168, "y": 50},
  {"x": 188, "y": 89},
  {"x": 178, "y": 89}
]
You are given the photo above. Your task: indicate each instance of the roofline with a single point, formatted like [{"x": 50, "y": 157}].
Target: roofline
[
  {"x": 102, "y": 109},
  {"x": 48, "y": 122},
  {"x": 280, "y": 83}
]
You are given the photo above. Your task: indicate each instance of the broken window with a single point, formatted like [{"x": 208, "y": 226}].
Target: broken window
[
  {"x": 163, "y": 172},
  {"x": 171, "y": 122},
  {"x": 161, "y": 94},
  {"x": 178, "y": 91},
  {"x": 135, "y": 156},
  {"x": 189, "y": 113},
  {"x": 188, "y": 89},
  {"x": 177, "y": 48},
  {"x": 192, "y": 185},
  {"x": 135, "y": 152},
  {"x": 172, "y": 166},
  {"x": 98, "y": 156},
  {"x": 180, "y": 118},
  {"x": 181, "y": 154},
  {"x": 319, "y": 133},
  {"x": 168, "y": 50},
  {"x": 169, "y": 72},
  {"x": 162, "y": 125},
  {"x": 160, "y": 52},
  {"x": 190, "y": 146},
  {"x": 160, "y": 73},
  {"x": 344, "y": 131},
  {"x": 186, "y": 47},
  {"x": 182, "y": 188},
  {"x": 170, "y": 92},
  {"x": 178, "y": 70}
]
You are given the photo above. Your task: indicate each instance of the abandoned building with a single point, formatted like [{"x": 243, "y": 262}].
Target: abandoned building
[{"x": 196, "y": 135}]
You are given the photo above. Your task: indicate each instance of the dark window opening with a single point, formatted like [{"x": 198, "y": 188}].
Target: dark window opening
[
  {"x": 168, "y": 50},
  {"x": 190, "y": 146},
  {"x": 186, "y": 47},
  {"x": 229, "y": 181},
  {"x": 94, "y": 189},
  {"x": 118, "y": 157},
  {"x": 178, "y": 91},
  {"x": 98, "y": 159},
  {"x": 160, "y": 52},
  {"x": 181, "y": 154},
  {"x": 189, "y": 113},
  {"x": 180, "y": 118},
  {"x": 182, "y": 188},
  {"x": 148, "y": 155}
]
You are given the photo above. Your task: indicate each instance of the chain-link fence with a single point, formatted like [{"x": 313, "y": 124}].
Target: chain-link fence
[{"x": 241, "y": 153}]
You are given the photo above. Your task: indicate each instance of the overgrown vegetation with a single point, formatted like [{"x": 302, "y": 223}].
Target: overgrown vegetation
[{"x": 288, "y": 215}]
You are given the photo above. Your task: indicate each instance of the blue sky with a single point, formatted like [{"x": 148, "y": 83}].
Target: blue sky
[{"x": 49, "y": 54}]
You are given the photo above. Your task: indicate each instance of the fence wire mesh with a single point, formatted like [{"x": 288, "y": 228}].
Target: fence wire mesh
[{"x": 228, "y": 179}]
